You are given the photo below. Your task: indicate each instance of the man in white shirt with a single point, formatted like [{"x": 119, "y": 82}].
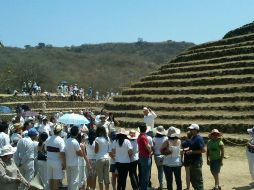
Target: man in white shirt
[
  {"x": 4, "y": 137},
  {"x": 25, "y": 155},
  {"x": 73, "y": 152},
  {"x": 55, "y": 158},
  {"x": 45, "y": 127},
  {"x": 149, "y": 117}
]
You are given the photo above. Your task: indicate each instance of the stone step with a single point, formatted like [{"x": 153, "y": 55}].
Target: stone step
[
  {"x": 219, "y": 47},
  {"x": 53, "y": 104},
  {"x": 200, "y": 74},
  {"x": 204, "y": 81},
  {"x": 225, "y": 126},
  {"x": 225, "y": 106},
  {"x": 217, "y": 53},
  {"x": 219, "y": 89},
  {"x": 227, "y": 41},
  {"x": 206, "y": 67},
  {"x": 191, "y": 115},
  {"x": 191, "y": 98},
  {"x": 214, "y": 60}
]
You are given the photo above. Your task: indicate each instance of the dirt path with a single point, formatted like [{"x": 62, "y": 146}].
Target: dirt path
[{"x": 234, "y": 173}]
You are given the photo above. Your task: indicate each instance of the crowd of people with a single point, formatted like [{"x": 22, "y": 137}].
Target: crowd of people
[
  {"x": 76, "y": 93},
  {"x": 84, "y": 154}
]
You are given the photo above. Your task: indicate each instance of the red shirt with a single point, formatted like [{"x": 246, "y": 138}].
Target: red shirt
[{"x": 142, "y": 142}]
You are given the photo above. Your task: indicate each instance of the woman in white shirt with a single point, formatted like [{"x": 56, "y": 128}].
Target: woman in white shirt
[
  {"x": 102, "y": 157},
  {"x": 158, "y": 140},
  {"x": 172, "y": 161},
  {"x": 122, "y": 149},
  {"x": 90, "y": 150},
  {"x": 133, "y": 135}
]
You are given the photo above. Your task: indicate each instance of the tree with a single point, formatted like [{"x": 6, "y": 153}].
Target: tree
[{"x": 41, "y": 45}]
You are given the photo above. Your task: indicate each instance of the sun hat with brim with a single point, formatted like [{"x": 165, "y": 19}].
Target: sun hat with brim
[
  {"x": 7, "y": 150},
  {"x": 15, "y": 137},
  {"x": 160, "y": 130},
  {"x": 58, "y": 128},
  {"x": 122, "y": 131},
  {"x": 250, "y": 131},
  {"x": 174, "y": 132},
  {"x": 17, "y": 127},
  {"x": 215, "y": 131},
  {"x": 194, "y": 126},
  {"x": 133, "y": 134}
]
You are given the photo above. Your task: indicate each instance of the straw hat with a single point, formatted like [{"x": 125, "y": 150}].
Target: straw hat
[
  {"x": 58, "y": 128},
  {"x": 122, "y": 131},
  {"x": 215, "y": 131},
  {"x": 160, "y": 130},
  {"x": 174, "y": 132},
  {"x": 133, "y": 134},
  {"x": 17, "y": 127},
  {"x": 7, "y": 150}
]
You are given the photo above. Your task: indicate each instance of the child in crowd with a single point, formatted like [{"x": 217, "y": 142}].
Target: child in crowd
[
  {"x": 90, "y": 150},
  {"x": 186, "y": 159},
  {"x": 113, "y": 169},
  {"x": 215, "y": 155}
]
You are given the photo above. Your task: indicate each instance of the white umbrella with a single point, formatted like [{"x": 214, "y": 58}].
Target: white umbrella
[{"x": 73, "y": 119}]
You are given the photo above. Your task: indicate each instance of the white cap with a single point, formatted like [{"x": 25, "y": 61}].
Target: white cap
[
  {"x": 194, "y": 126},
  {"x": 145, "y": 108}
]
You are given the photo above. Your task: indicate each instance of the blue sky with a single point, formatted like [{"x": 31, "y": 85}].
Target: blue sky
[{"x": 75, "y": 22}]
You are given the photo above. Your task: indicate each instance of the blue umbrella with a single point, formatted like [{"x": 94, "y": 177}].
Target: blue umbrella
[
  {"x": 73, "y": 119},
  {"x": 5, "y": 109}
]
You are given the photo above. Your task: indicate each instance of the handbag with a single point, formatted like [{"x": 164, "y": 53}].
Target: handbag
[{"x": 159, "y": 160}]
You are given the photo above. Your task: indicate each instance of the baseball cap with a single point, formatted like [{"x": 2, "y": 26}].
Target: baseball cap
[{"x": 194, "y": 126}]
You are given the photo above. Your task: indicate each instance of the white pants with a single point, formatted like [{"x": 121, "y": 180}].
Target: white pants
[
  {"x": 250, "y": 157},
  {"x": 42, "y": 169},
  {"x": 73, "y": 177},
  {"x": 27, "y": 171},
  {"x": 82, "y": 175}
]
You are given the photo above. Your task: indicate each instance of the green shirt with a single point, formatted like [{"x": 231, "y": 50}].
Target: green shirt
[{"x": 213, "y": 146}]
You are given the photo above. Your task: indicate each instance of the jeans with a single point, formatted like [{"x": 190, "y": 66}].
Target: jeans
[
  {"x": 159, "y": 169},
  {"x": 122, "y": 169},
  {"x": 196, "y": 177},
  {"x": 133, "y": 174},
  {"x": 145, "y": 164},
  {"x": 169, "y": 177}
]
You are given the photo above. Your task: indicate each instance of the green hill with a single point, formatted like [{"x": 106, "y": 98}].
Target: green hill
[{"x": 102, "y": 66}]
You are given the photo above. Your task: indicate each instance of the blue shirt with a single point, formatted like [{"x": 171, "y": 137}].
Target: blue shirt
[{"x": 197, "y": 143}]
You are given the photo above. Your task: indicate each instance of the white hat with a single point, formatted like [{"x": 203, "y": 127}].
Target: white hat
[
  {"x": 194, "y": 126},
  {"x": 15, "y": 137},
  {"x": 160, "y": 130},
  {"x": 7, "y": 150},
  {"x": 174, "y": 132},
  {"x": 133, "y": 134},
  {"x": 122, "y": 131},
  {"x": 250, "y": 131},
  {"x": 145, "y": 108}
]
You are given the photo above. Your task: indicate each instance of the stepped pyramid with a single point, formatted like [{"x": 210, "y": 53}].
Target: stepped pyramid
[{"x": 211, "y": 84}]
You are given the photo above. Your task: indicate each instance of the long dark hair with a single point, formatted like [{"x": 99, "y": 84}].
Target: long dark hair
[
  {"x": 109, "y": 117},
  {"x": 101, "y": 132},
  {"x": 42, "y": 138},
  {"x": 91, "y": 136},
  {"x": 159, "y": 135},
  {"x": 121, "y": 138}
]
